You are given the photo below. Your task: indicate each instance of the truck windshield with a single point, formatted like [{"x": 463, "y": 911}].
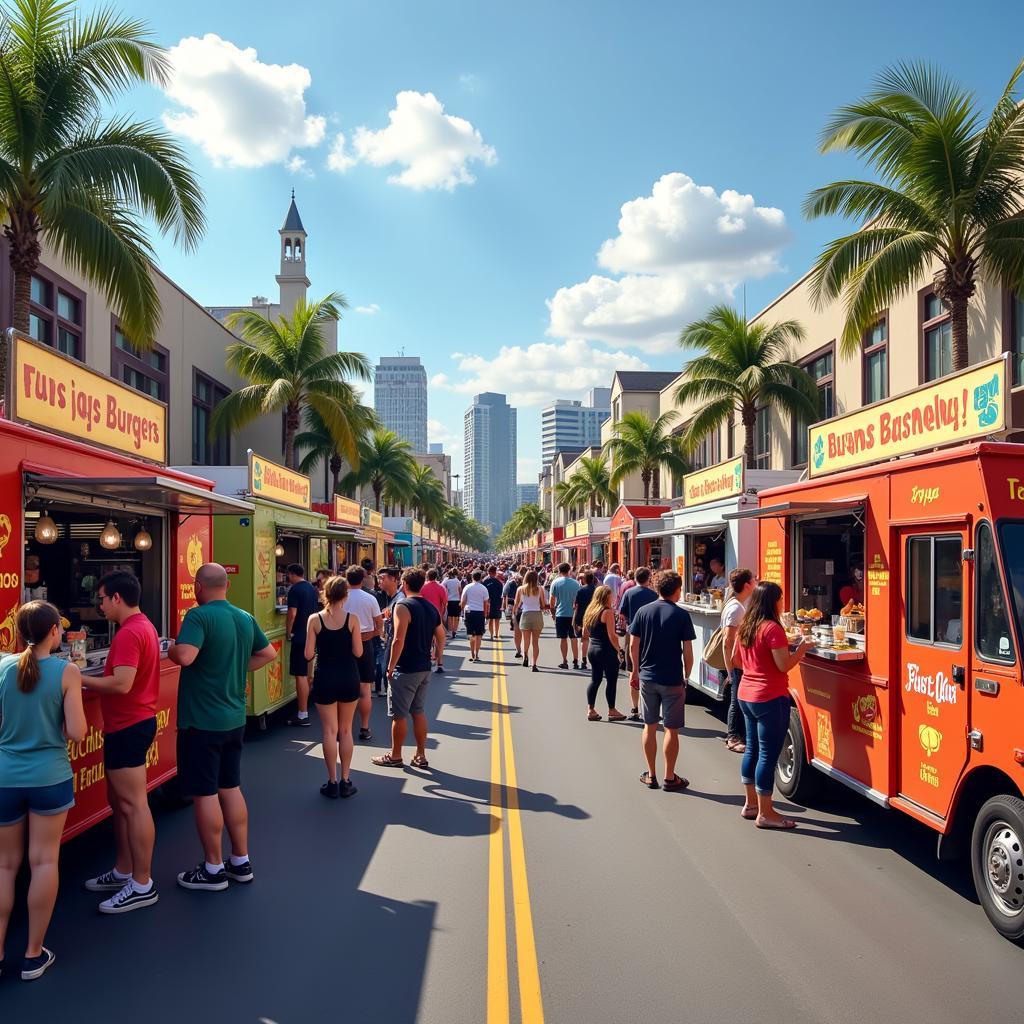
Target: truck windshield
[{"x": 1011, "y": 538}]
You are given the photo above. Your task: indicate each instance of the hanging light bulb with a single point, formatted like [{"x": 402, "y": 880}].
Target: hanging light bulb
[
  {"x": 111, "y": 536},
  {"x": 279, "y": 550},
  {"x": 143, "y": 541},
  {"x": 46, "y": 529}
]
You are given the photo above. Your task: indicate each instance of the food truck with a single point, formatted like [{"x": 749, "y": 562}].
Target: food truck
[
  {"x": 906, "y": 564},
  {"x": 255, "y": 548},
  {"x": 699, "y": 533},
  {"x": 625, "y": 546},
  {"x": 85, "y": 490}
]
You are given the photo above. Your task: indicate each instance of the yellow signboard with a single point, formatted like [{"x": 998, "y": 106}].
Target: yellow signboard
[
  {"x": 570, "y": 530},
  {"x": 269, "y": 480},
  {"x": 714, "y": 483},
  {"x": 375, "y": 519},
  {"x": 957, "y": 408},
  {"x": 346, "y": 510},
  {"x": 50, "y": 390}
]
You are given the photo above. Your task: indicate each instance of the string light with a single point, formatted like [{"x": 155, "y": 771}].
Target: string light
[
  {"x": 46, "y": 529},
  {"x": 110, "y": 538},
  {"x": 143, "y": 541}
]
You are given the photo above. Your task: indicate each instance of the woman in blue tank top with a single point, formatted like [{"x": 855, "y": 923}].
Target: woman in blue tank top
[{"x": 40, "y": 709}]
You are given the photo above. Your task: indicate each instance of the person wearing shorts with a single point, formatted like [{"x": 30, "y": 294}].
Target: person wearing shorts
[
  {"x": 475, "y": 606},
  {"x": 303, "y": 601},
  {"x": 563, "y": 596},
  {"x": 217, "y": 646},
  {"x": 129, "y": 690},
  {"x": 454, "y": 590},
  {"x": 661, "y": 650},
  {"x": 365, "y": 608}
]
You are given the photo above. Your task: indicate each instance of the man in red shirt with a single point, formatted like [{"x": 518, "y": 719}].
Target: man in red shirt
[
  {"x": 129, "y": 689},
  {"x": 434, "y": 591}
]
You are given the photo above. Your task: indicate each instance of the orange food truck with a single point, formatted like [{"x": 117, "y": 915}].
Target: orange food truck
[{"x": 906, "y": 564}]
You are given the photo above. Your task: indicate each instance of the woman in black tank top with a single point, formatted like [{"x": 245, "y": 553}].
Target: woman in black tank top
[
  {"x": 603, "y": 653},
  {"x": 333, "y": 636}
]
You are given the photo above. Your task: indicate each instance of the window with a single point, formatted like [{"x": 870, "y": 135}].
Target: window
[
  {"x": 935, "y": 590},
  {"x": 146, "y": 372},
  {"x": 937, "y": 336},
  {"x": 876, "y": 362},
  {"x": 821, "y": 367},
  {"x": 206, "y": 394},
  {"x": 991, "y": 623},
  {"x": 762, "y": 439},
  {"x": 706, "y": 453},
  {"x": 1015, "y": 318},
  {"x": 56, "y": 314}
]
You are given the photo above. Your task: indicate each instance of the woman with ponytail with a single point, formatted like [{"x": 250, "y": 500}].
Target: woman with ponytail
[{"x": 40, "y": 709}]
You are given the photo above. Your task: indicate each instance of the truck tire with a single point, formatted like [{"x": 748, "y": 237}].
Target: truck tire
[
  {"x": 795, "y": 779},
  {"x": 997, "y": 863}
]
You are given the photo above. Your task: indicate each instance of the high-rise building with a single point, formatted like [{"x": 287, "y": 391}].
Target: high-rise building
[
  {"x": 441, "y": 466},
  {"x": 489, "y": 484},
  {"x": 527, "y": 494},
  {"x": 400, "y": 398},
  {"x": 571, "y": 424}
]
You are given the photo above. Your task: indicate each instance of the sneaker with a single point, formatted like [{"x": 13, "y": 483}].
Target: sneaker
[
  {"x": 439, "y": 671},
  {"x": 534, "y": 669},
  {"x": 575, "y": 664},
  {"x": 526, "y": 662},
  {"x": 564, "y": 664},
  {"x": 365, "y": 735},
  {"x": 199, "y": 878},
  {"x": 128, "y": 899},
  {"x": 239, "y": 872},
  {"x": 33, "y": 967},
  {"x": 634, "y": 715},
  {"x": 107, "y": 882},
  {"x": 346, "y": 789},
  {"x": 330, "y": 790},
  {"x": 301, "y": 723}
]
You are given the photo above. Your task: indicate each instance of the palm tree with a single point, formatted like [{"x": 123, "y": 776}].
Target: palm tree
[
  {"x": 426, "y": 495},
  {"x": 589, "y": 485},
  {"x": 85, "y": 181},
  {"x": 645, "y": 446},
  {"x": 744, "y": 367},
  {"x": 385, "y": 463},
  {"x": 289, "y": 368},
  {"x": 523, "y": 523},
  {"x": 319, "y": 446},
  {"x": 950, "y": 191}
]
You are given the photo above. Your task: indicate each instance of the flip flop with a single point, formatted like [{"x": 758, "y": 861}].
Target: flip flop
[
  {"x": 674, "y": 784},
  {"x": 616, "y": 718},
  {"x": 782, "y": 826},
  {"x": 649, "y": 780},
  {"x": 387, "y": 761},
  {"x": 593, "y": 716},
  {"x": 748, "y": 814}
]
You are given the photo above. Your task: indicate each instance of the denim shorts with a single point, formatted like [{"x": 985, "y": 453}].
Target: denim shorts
[{"x": 18, "y": 801}]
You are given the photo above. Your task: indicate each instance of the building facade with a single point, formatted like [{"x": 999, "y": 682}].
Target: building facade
[
  {"x": 527, "y": 494},
  {"x": 400, "y": 398},
  {"x": 573, "y": 424},
  {"x": 489, "y": 484},
  {"x": 441, "y": 466}
]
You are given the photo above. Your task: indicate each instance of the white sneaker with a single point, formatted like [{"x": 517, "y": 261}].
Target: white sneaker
[{"x": 127, "y": 899}]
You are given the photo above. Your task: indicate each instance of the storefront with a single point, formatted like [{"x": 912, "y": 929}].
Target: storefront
[
  {"x": 256, "y": 548},
  {"x": 373, "y": 528},
  {"x": 85, "y": 491},
  {"x": 402, "y": 551},
  {"x": 348, "y": 543},
  {"x": 625, "y": 545}
]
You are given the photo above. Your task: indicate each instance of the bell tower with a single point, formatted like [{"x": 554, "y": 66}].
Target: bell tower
[{"x": 292, "y": 280}]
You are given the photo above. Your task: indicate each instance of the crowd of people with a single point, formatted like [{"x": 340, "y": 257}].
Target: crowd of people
[{"x": 363, "y": 632}]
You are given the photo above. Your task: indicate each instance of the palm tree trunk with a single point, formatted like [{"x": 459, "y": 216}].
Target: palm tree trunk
[
  {"x": 955, "y": 286},
  {"x": 748, "y": 416},
  {"x": 645, "y": 476},
  {"x": 291, "y": 428},
  {"x": 376, "y": 496},
  {"x": 657, "y": 484},
  {"x": 335, "y": 466},
  {"x": 25, "y": 251}
]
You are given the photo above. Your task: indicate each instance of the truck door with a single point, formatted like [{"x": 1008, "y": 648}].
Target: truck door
[{"x": 933, "y": 664}]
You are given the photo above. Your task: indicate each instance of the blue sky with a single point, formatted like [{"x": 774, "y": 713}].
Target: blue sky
[{"x": 491, "y": 246}]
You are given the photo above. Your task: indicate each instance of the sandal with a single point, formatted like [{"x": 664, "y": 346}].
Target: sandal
[
  {"x": 675, "y": 783},
  {"x": 649, "y": 780},
  {"x": 419, "y": 762},
  {"x": 737, "y": 746},
  {"x": 387, "y": 761},
  {"x": 779, "y": 826},
  {"x": 748, "y": 813},
  {"x": 616, "y": 718},
  {"x": 593, "y": 716}
]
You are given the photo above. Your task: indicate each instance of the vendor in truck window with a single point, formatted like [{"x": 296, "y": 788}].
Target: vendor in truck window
[
  {"x": 719, "y": 581},
  {"x": 853, "y": 589}
]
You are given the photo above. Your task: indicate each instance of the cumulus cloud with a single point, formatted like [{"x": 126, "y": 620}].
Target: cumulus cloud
[
  {"x": 531, "y": 374},
  {"x": 297, "y": 165},
  {"x": 371, "y": 310},
  {"x": 434, "y": 149},
  {"x": 238, "y": 110},
  {"x": 440, "y": 433},
  {"x": 678, "y": 251}
]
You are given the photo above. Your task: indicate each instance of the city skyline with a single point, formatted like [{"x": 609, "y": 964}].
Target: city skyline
[{"x": 490, "y": 445}]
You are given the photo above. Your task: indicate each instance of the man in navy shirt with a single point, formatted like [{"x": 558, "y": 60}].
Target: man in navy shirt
[
  {"x": 303, "y": 601},
  {"x": 661, "y": 648},
  {"x": 632, "y": 601}
]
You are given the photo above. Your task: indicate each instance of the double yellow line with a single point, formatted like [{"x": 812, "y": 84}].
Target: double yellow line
[{"x": 505, "y": 819}]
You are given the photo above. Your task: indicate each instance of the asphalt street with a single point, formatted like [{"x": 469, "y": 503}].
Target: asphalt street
[{"x": 461, "y": 895}]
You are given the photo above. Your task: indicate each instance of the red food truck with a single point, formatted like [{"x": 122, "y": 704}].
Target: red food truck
[
  {"x": 906, "y": 564},
  {"x": 84, "y": 490}
]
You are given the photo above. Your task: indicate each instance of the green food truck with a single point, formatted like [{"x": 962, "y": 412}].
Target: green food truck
[{"x": 255, "y": 549}]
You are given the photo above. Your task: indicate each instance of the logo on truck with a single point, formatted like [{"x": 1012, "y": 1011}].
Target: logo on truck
[
  {"x": 930, "y": 737},
  {"x": 938, "y": 688},
  {"x": 867, "y": 717}
]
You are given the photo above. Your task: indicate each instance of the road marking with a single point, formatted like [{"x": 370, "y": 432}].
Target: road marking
[{"x": 497, "y": 942}]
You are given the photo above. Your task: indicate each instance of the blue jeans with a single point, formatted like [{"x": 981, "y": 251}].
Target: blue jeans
[
  {"x": 734, "y": 724},
  {"x": 767, "y": 722},
  {"x": 379, "y": 665}
]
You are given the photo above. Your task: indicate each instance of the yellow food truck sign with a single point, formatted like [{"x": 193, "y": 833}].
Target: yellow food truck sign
[
  {"x": 269, "y": 480},
  {"x": 50, "y": 390},
  {"x": 375, "y": 519},
  {"x": 347, "y": 511},
  {"x": 714, "y": 483},
  {"x": 957, "y": 408}
]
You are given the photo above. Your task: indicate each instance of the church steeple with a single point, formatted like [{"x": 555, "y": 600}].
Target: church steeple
[{"x": 292, "y": 280}]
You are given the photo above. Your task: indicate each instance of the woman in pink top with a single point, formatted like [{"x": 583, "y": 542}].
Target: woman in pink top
[{"x": 762, "y": 651}]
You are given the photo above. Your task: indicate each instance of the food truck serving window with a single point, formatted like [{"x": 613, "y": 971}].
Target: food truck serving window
[
  {"x": 830, "y": 567},
  {"x": 991, "y": 623},
  {"x": 935, "y": 591}
]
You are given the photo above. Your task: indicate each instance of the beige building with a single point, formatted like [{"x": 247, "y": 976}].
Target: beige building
[{"x": 441, "y": 465}]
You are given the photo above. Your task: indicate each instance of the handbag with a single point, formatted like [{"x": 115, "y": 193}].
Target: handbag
[{"x": 714, "y": 650}]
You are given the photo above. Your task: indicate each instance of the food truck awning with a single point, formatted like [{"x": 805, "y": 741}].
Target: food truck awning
[
  {"x": 791, "y": 509},
  {"x": 147, "y": 492},
  {"x": 398, "y": 543}
]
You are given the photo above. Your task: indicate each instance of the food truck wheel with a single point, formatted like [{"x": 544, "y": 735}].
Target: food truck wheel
[
  {"x": 997, "y": 862},
  {"x": 795, "y": 779}
]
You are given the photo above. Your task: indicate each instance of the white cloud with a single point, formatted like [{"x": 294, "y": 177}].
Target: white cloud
[
  {"x": 297, "y": 165},
  {"x": 530, "y": 375},
  {"x": 371, "y": 310},
  {"x": 679, "y": 250},
  {"x": 434, "y": 148},
  {"x": 240, "y": 111},
  {"x": 439, "y": 433}
]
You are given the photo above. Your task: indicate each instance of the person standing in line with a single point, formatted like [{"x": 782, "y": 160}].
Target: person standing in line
[
  {"x": 303, "y": 601},
  {"x": 598, "y": 572},
  {"x": 563, "y": 596},
  {"x": 418, "y": 630},
  {"x": 475, "y": 604},
  {"x": 741, "y": 586},
  {"x": 627, "y": 584},
  {"x": 367, "y": 611},
  {"x": 391, "y": 585},
  {"x": 661, "y": 646},
  {"x": 530, "y": 605},
  {"x": 436, "y": 594},
  {"x": 40, "y": 709},
  {"x": 580, "y": 604},
  {"x": 217, "y": 646},
  {"x": 508, "y": 600},
  {"x": 599, "y": 629},
  {"x": 762, "y": 651},
  {"x": 632, "y": 601},
  {"x": 454, "y": 590},
  {"x": 129, "y": 690},
  {"x": 613, "y": 581},
  {"x": 370, "y": 580},
  {"x": 334, "y": 638},
  {"x": 494, "y": 590},
  {"x": 372, "y": 587}
]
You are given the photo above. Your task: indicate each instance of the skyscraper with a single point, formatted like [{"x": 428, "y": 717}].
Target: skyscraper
[
  {"x": 527, "y": 494},
  {"x": 400, "y": 398},
  {"x": 489, "y": 484},
  {"x": 571, "y": 424}
]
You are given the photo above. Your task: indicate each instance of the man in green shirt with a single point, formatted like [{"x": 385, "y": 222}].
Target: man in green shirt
[{"x": 217, "y": 645}]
